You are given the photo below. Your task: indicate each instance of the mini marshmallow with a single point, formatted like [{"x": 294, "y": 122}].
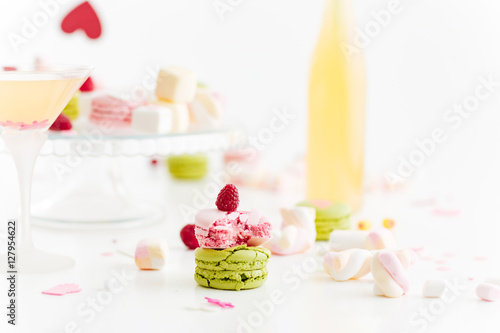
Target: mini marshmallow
[
  {"x": 151, "y": 254},
  {"x": 206, "y": 107},
  {"x": 176, "y": 84},
  {"x": 346, "y": 265},
  {"x": 380, "y": 239},
  {"x": 154, "y": 119},
  {"x": 434, "y": 288},
  {"x": 341, "y": 240},
  {"x": 180, "y": 115},
  {"x": 488, "y": 292}
]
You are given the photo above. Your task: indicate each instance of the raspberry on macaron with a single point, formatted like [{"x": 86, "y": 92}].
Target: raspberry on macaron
[{"x": 228, "y": 198}]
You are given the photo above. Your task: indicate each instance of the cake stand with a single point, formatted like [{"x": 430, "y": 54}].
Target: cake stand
[{"x": 95, "y": 194}]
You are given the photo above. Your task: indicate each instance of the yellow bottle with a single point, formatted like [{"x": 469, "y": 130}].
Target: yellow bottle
[{"x": 336, "y": 111}]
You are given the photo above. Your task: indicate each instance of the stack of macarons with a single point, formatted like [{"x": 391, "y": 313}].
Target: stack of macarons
[
  {"x": 188, "y": 166},
  {"x": 329, "y": 216},
  {"x": 229, "y": 256},
  {"x": 236, "y": 268},
  {"x": 112, "y": 111}
]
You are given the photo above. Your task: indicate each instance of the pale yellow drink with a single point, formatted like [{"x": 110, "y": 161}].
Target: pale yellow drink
[
  {"x": 40, "y": 101},
  {"x": 336, "y": 111}
]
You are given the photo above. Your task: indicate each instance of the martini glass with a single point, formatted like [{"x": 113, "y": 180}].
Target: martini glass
[{"x": 30, "y": 101}]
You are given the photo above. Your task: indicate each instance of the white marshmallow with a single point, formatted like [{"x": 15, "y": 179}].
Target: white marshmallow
[
  {"x": 434, "y": 288},
  {"x": 155, "y": 119},
  {"x": 176, "y": 84},
  {"x": 341, "y": 240},
  {"x": 206, "y": 107},
  {"x": 288, "y": 236},
  {"x": 180, "y": 115}
]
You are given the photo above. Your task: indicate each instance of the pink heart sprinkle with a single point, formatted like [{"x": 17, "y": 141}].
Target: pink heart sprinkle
[
  {"x": 219, "y": 303},
  {"x": 107, "y": 254},
  {"x": 425, "y": 202},
  {"x": 417, "y": 249},
  {"x": 446, "y": 212},
  {"x": 480, "y": 258},
  {"x": 63, "y": 289},
  {"x": 441, "y": 262}
]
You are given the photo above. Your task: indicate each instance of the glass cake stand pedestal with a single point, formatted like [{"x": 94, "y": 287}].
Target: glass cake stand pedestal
[{"x": 96, "y": 195}]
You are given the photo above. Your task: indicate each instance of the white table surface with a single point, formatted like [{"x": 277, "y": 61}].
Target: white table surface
[{"x": 309, "y": 301}]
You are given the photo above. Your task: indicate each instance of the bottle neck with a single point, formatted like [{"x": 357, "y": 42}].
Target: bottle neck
[{"x": 338, "y": 19}]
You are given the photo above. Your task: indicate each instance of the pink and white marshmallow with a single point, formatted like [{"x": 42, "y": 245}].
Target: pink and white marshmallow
[
  {"x": 151, "y": 254},
  {"x": 380, "y": 239},
  {"x": 298, "y": 231},
  {"x": 488, "y": 292},
  {"x": 389, "y": 270},
  {"x": 346, "y": 265}
]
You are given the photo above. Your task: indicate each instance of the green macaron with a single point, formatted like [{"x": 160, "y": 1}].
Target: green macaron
[
  {"x": 329, "y": 216},
  {"x": 188, "y": 166},
  {"x": 72, "y": 108},
  {"x": 236, "y": 268}
]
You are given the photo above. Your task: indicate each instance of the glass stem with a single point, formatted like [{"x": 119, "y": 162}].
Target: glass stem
[{"x": 24, "y": 147}]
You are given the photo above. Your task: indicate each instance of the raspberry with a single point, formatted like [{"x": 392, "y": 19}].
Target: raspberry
[
  {"x": 228, "y": 199},
  {"x": 188, "y": 237},
  {"x": 62, "y": 123},
  {"x": 88, "y": 85}
]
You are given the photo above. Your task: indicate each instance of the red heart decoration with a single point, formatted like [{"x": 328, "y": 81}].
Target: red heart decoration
[{"x": 82, "y": 17}]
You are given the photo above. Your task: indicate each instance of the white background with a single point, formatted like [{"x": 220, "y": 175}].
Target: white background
[{"x": 427, "y": 58}]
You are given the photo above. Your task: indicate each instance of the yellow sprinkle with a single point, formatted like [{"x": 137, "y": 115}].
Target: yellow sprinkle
[
  {"x": 364, "y": 225},
  {"x": 389, "y": 224}
]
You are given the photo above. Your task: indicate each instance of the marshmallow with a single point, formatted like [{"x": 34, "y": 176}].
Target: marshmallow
[
  {"x": 341, "y": 240},
  {"x": 151, "y": 253},
  {"x": 434, "y": 288},
  {"x": 380, "y": 239},
  {"x": 488, "y": 292},
  {"x": 206, "y": 107},
  {"x": 346, "y": 265},
  {"x": 180, "y": 115},
  {"x": 298, "y": 231},
  {"x": 154, "y": 119},
  {"x": 176, "y": 84},
  {"x": 389, "y": 272}
]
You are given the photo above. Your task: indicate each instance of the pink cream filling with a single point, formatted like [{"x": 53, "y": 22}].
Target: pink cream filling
[{"x": 230, "y": 229}]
